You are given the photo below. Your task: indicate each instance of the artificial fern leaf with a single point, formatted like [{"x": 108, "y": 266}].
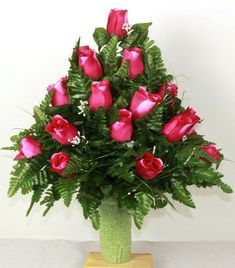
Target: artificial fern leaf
[{"x": 181, "y": 194}]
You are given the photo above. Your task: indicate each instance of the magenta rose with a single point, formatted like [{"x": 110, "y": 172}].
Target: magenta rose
[
  {"x": 148, "y": 167},
  {"x": 122, "y": 129},
  {"x": 29, "y": 147},
  {"x": 59, "y": 161},
  {"x": 212, "y": 151},
  {"x": 143, "y": 102},
  {"x": 100, "y": 95},
  {"x": 180, "y": 125},
  {"x": 171, "y": 88},
  {"x": 136, "y": 66},
  {"x": 89, "y": 63},
  {"x": 59, "y": 92},
  {"x": 117, "y": 22},
  {"x": 61, "y": 130}
]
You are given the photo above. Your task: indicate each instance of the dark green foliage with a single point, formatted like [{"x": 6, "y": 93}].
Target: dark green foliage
[
  {"x": 154, "y": 66},
  {"x": 109, "y": 57},
  {"x": 180, "y": 193},
  {"x": 101, "y": 167},
  {"x": 90, "y": 204},
  {"x": 78, "y": 84},
  {"x": 143, "y": 206},
  {"x": 66, "y": 188},
  {"x": 101, "y": 37},
  {"x": 137, "y": 36}
]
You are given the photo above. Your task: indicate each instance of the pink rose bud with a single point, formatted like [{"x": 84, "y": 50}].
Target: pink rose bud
[
  {"x": 61, "y": 130},
  {"x": 136, "y": 66},
  {"x": 59, "y": 161},
  {"x": 100, "y": 95},
  {"x": 212, "y": 151},
  {"x": 143, "y": 102},
  {"x": 122, "y": 129},
  {"x": 117, "y": 22},
  {"x": 60, "y": 92},
  {"x": 171, "y": 88},
  {"x": 180, "y": 125},
  {"x": 89, "y": 63},
  {"x": 149, "y": 166},
  {"x": 29, "y": 147}
]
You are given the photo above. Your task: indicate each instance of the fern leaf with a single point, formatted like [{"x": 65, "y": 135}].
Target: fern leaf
[
  {"x": 225, "y": 187},
  {"x": 66, "y": 188},
  {"x": 123, "y": 71},
  {"x": 181, "y": 194},
  {"x": 35, "y": 198},
  {"x": 144, "y": 203}
]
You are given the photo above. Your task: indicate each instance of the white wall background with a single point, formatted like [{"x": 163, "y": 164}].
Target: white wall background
[{"x": 197, "y": 39}]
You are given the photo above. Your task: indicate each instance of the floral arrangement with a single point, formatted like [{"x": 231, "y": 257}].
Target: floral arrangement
[{"x": 114, "y": 127}]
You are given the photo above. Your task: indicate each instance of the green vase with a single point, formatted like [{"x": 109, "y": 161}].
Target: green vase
[{"x": 115, "y": 232}]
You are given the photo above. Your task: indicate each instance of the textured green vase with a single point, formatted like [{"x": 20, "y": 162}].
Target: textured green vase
[{"x": 115, "y": 232}]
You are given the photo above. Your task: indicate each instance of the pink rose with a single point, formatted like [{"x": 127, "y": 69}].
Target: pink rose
[
  {"x": 89, "y": 63},
  {"x": 149, "y": 166},
  {"x": 61, "y": 130},
  {"x": 171, "y": 88},
  {"x": 100, "y": 95},
  {"x": 29, "y": 147},
  {"x": 143, "y": 102},
  {"x": 122, "y": 129},
  {"x": 117, "y": 21},
  {"x": 59, "y": 161},
  {"x": 136, "y": 66},
  {"x": 60, "y": 92},
  {"x": 212, "y": 151},
  {"x": 180, "y": 125}
]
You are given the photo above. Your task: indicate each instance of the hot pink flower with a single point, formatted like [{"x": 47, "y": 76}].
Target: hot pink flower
[
  {"x": 180, "y": 125},
  {"x": 143, "y": 102},
  {"x": 212, "y": 151},
  {"x": 122, "y": 129},
  {"x": 29, "y": 147},
  {"x": 171, "y": 88},
  {"x": 136, "y": 66},
  {"x": 60, "y": 92},
  {"x": 59, "y": 161},
  {"x": 61, "y": 130},
  {"x": 117, "y": 21},
  {"x": 149, "y": 166},
  {"x": 100, "y": 95},
  {"x": 89, "y": 63}
]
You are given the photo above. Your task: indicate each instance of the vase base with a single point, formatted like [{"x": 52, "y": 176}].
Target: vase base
[{"x": 138, "y": 260}]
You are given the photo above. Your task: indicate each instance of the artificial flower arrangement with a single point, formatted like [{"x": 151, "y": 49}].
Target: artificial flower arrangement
[{"x": 114, "y": 128}]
